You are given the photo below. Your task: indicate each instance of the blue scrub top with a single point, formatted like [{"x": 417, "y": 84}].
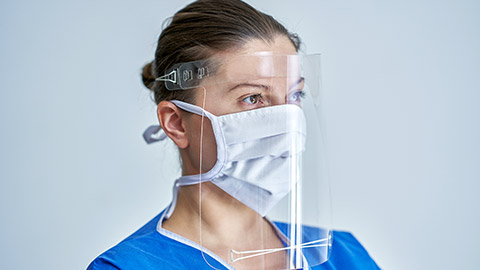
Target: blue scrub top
[{"x": 148, "y": 248}]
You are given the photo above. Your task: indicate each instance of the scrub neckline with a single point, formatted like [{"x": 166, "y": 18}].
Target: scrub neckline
[{"x": 195, "y": 245}]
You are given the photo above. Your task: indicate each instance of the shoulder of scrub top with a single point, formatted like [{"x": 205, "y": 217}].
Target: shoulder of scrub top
[
  {"x": 131, "y": 252},
  {"x": 148, "y": 249},
  {"x": 346, "y": 253}
]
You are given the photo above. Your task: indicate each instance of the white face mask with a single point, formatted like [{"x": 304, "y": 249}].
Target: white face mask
[{"x": 255, "y": 153}]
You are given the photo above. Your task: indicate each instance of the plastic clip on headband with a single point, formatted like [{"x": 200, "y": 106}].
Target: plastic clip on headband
[
  {"x": 170, "y": 77},
  {"x": 185, "y": 75}
]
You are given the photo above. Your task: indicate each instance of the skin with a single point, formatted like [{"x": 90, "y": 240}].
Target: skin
[{"x": 225, "y": 221}]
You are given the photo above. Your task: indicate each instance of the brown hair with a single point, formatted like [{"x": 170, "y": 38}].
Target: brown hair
[{"x": 202, "y": 29}]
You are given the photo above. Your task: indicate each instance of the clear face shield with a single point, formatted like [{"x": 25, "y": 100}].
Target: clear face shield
[{"x": 258, "y": 159}]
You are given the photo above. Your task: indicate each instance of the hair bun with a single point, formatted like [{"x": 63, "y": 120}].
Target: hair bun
[{"x": 147, "y": 76}]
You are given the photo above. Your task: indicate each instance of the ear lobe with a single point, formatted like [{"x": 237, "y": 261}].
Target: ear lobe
[{"x": 170, "y": 118}]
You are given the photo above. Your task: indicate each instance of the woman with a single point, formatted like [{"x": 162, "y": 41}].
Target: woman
[{"x": 229, "y": 85}]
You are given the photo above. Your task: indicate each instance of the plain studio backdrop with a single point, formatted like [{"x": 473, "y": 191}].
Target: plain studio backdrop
[{"x": 402, "y": 79}]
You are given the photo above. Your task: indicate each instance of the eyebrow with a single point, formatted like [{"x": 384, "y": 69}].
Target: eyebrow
[
  {"x": 266, "y": 87},
  {"x": 301, "y": 80},
  {"x": 249, "y": 85}
]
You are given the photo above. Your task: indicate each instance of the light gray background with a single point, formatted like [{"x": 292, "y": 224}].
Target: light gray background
[{"x": 403, "y": 82}]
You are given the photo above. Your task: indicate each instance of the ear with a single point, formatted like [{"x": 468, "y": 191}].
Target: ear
[{"x": 171, "y": 121}]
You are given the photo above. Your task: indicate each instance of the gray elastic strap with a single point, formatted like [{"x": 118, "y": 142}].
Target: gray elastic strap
[{"x": 154, "y": 134}]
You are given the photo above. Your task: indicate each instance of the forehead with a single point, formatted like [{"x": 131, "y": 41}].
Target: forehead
[
  {"x": 279, "y": 44},
  {"x": 257, "y": 66},
  {"x": 259, "y": 58}
]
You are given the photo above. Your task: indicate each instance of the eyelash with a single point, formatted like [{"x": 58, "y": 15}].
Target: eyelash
[
  {"x": 300, "y": 95},
  {"x": 257, "y": 96}
]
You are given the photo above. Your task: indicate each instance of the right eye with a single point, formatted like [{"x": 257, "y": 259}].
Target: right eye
[{"x": 252, "y": 99}]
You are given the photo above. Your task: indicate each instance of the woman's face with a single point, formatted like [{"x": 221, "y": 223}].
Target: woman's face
[{"x": 242, "y": 82}]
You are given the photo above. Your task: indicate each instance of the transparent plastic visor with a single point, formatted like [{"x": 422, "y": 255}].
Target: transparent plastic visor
[{"x": 259, "y": 159}]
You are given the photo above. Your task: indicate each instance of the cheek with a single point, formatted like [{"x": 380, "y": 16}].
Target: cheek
[
  {"x": 206, "y": 143},
  {"x": 219, "y": 101},
  {"x": 209, "y": 148}
]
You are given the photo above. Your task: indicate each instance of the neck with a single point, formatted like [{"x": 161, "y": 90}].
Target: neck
[
  {"x": 210, "y": 217},
  {"x": 219, "y": 217}
]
